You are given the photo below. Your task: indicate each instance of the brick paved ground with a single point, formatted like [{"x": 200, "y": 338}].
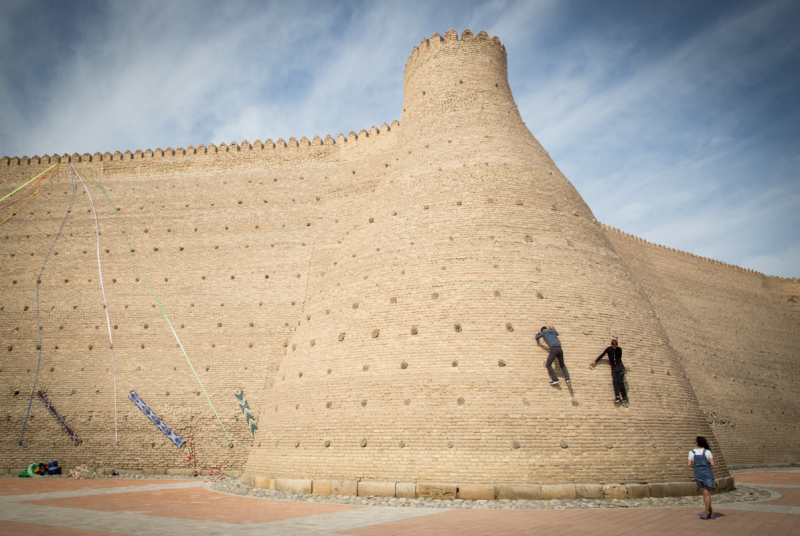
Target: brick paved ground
[{"x": 142, "y": 507}]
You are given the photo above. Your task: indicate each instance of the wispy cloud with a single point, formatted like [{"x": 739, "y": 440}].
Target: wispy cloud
[{"x": 676, "y": 122}]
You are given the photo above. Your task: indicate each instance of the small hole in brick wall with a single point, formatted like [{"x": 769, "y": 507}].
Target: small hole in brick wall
[
  {"x": 509, "y": 327},
  {"x": 501, "y": 363}
]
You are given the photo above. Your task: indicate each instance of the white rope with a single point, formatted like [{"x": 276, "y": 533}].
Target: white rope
[{"x": 105, "y": 304}]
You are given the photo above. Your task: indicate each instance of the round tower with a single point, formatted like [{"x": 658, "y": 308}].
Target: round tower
[{"x": 414, "y": 364}]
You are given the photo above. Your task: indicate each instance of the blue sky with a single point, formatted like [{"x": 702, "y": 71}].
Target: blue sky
[{"x": 677, "y": 121}]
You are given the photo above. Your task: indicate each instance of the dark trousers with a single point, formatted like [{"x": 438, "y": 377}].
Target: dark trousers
[
  {"x": 556, "y": 353},
  {"x": 618, "y": 376}
]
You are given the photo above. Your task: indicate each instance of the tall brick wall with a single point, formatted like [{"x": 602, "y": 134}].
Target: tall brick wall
[
  {"x": 232, "y": 238},
  {"x": 737, "y": 332}
]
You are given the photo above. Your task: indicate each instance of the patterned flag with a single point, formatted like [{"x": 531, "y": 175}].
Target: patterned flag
[
  {"x": 251, "y": 421},
  {"x": 59, "y": 419},
  {"x": 175, "y": 438}
]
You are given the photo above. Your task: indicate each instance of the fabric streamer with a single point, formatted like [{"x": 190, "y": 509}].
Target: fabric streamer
[
  {"x": 105, "y": 304},
  {"x": 27, "y": 183},
  {"x": 38, "y": 324},
  {"x": 22, "y": 205},
  {"x": 163, "y": 312},
  {"x": 43, "y": 177},
  {"x": 59, "y": 419},
  {"x": 172, "y": 436},
  {"x": 248, "y": 414}
]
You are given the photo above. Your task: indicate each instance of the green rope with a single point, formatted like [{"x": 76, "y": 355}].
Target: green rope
[{"x": 153, "y": 292}]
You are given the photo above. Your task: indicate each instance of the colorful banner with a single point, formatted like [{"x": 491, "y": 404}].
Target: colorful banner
[
  {"x": 248, "y": 415},
  {"x": 64, "y": 426},
  {"x": 175, "y": 438}
]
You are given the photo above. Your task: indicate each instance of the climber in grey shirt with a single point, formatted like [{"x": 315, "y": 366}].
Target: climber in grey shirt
[{"x": 551, "y": 338}]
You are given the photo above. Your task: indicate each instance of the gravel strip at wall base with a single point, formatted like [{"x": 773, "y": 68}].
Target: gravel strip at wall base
[{"x": 234, "y": 485}]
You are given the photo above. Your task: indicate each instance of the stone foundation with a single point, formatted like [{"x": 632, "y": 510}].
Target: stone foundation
[{"x": 475, "y": 492}]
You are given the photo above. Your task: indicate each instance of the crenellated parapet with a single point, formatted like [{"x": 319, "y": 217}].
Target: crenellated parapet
[
  {"x": 608, "y": 228},
  {"x": 430, "y": 46},
  {"x": 366, "y": 140}
]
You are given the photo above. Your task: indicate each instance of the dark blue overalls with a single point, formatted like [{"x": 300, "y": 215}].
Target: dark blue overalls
[{"x": 703, "y": 474}]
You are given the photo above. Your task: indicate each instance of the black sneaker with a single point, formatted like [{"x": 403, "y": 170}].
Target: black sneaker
[
  {"x": 555, "y": 382},
  {"x": 617, "y": 400},
  {"x": 625, "y": 400}
]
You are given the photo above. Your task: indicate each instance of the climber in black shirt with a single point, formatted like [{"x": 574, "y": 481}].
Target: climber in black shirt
[{"x": 614, "y": 353}]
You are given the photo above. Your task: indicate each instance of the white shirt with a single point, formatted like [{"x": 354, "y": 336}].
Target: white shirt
[{"x": 700, "y": 451}]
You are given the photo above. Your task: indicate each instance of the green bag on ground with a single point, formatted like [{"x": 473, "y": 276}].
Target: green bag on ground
[{"x": 31, "y": 471}]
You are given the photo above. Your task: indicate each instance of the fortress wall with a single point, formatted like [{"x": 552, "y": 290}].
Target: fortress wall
[
  {"x": 415, "y": 359},
  {"x": 738, "y": 333},
  {"x": 208, "y": 229}
]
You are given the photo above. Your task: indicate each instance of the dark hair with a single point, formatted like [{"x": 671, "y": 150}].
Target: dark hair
[
  {"x": 544, "y": 328},
  {"x": 702, "y": 443}
]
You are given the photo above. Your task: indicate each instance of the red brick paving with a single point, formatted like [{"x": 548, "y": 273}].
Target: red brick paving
[
  {"x": 24, "y": 486},
  {"x": 769, "y": 478},
  {"x": 650, "y": 521},
  {"x": 31, "y": 529},
  {"x": 196, "y": 504}
]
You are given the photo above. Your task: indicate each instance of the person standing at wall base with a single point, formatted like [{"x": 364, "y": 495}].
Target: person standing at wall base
[
  {"x": 551, "y": 338},
  {"x": 614, "y": 353},
  {"x": 702, "y": 460}
]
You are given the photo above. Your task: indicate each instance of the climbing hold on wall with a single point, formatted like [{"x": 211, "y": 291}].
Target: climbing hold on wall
[
  {"x": 514, "y": 445},
  {"x": 375, "y": 333},
  {"x": 363, "y": 403},
  {"x": 509, "y": 327},
  {"x": 563, "y": 443},
  {"x": 414, "y": 330},
  {"x": 501, "y": 363},
  {"x": 460, "y": 401}
]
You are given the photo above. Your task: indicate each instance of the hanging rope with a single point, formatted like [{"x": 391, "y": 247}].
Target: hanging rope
[
  {"x": 163, "y": 312},
  {"x": 105, "y": 303},
  {"x": 28, "y": 188},
  {"x": 30, "y": 181},
  {"x": 22, "y": 205},
  {"x": 38, "y": 326}
]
